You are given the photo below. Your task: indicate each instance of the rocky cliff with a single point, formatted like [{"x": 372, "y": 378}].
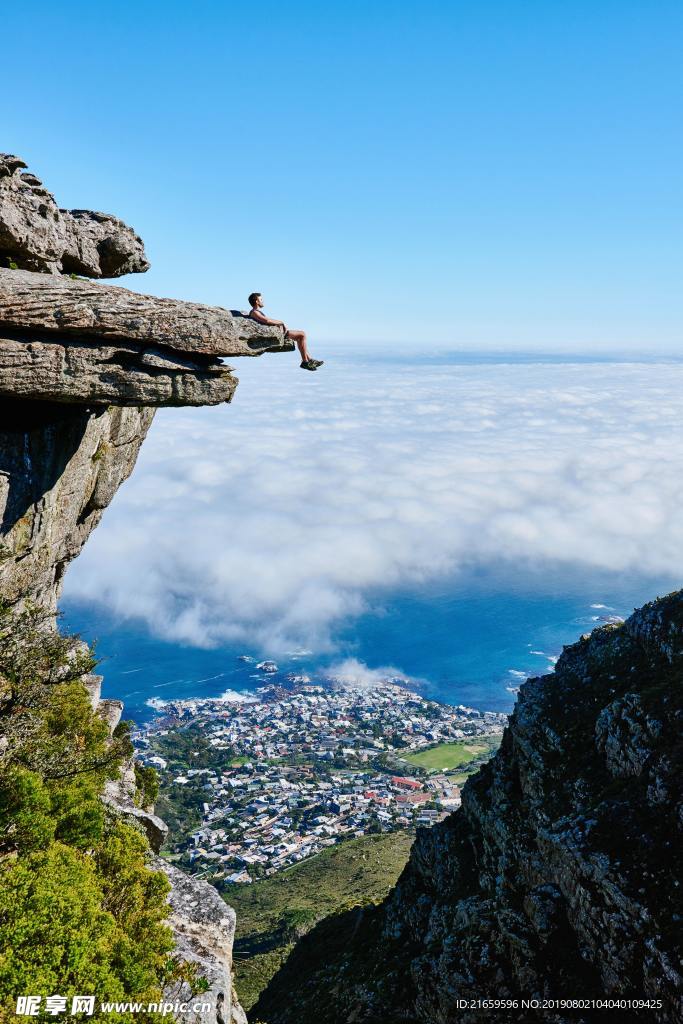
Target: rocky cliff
[
  {"x": 83, "y": 367},
  {"x": 60, "y": 466},
  {"x": 558, "y": 877},
  {"x": 66, "y": 340}
]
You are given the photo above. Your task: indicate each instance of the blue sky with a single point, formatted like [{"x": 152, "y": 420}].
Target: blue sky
[{"x": 492, "y": 174}]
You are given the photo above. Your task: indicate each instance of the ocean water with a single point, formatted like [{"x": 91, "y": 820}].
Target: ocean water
[{"x": 472, "y": 641}]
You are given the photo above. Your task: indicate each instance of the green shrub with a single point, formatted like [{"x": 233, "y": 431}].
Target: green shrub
[
  {"x": 147, "y": 784},
  {"x": 80, "y": 911}
]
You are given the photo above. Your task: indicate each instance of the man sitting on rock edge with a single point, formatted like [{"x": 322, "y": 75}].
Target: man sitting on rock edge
[{"x": 256, "y": 303}]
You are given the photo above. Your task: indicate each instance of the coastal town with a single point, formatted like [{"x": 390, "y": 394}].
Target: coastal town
[{"x": 271, "y": 779}]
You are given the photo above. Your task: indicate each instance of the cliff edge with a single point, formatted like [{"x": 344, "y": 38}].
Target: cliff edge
[
  {"x": 83, "y": 368},
  {"x": 556, "y": 880}
]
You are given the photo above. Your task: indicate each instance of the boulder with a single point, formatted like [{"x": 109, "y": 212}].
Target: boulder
[
  {"x": 93, "y": 686},
  {"x": 120, "y": 793},
  {"x": 110, "y": 711},
  {"x": 36, "y": 235}
]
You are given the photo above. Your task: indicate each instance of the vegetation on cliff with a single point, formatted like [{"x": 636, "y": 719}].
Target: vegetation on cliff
[
  {"x": 274, "y": 912},
  {"x": 80, "y": 912}
]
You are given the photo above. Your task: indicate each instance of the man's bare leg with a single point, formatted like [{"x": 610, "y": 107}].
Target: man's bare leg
[{"x": 300, "y": 338}]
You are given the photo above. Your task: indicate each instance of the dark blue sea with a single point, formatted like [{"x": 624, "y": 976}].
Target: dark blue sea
[{"x": 469, "y": 641}]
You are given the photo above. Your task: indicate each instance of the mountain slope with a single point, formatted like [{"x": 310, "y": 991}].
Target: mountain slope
[{"x": 556, "y": 879}]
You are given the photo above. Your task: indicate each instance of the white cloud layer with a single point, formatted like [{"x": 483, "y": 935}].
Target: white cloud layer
[{"x": 269, "y": 521}]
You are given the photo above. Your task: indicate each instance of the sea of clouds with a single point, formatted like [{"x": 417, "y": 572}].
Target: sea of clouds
[{"x": 270, "y": 521}]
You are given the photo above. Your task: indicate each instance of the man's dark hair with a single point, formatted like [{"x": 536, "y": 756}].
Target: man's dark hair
[{"x": 253, "y": 297}]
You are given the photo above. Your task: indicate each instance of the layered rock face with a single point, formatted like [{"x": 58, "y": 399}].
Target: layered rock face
[
  {"x": 83, "y": 367},
  {"x": 67, "y": 340},
  {"x": 557, "y": 879},
  {"x": 64, "y": 339}
]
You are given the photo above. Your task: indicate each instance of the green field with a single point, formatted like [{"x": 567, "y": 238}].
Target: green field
[
  {"x": 273, "y": 913},
  {"x": 446, "y": 756}
]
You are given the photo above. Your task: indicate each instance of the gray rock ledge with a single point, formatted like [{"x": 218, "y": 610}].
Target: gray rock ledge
[{"x": 64, "y": 340}]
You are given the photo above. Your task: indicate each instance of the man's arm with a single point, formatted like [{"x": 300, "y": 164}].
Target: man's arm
[{"x": 255, "y": 315}]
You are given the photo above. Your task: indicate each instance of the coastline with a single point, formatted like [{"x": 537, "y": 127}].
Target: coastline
[{"x": 459, "y": 643}]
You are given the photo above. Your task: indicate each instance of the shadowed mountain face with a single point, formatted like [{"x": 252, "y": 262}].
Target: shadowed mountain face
[
  {"x": 60, "y": 466},
  {"x": 555, "y": 880}
]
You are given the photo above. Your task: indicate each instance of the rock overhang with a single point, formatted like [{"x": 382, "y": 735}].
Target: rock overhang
[
  {"x": 68, "y": 339},
  {"x": 73, "y": 340}
]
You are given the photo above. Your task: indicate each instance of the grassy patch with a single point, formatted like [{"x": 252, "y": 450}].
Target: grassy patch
[
  {"x": 236, "y": 762},
  {"x": 273, "y": 913},
  {"x": 446, "y": 756}
]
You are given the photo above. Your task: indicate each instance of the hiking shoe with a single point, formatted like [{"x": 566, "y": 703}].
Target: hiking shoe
[
  {"x": 309, "y": 364},
  {"x": 317, "y": 362}
]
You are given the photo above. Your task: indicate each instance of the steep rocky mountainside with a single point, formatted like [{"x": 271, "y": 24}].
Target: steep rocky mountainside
[
  {"x": 557, "y": 878},
  {"x": 83, "y": 367}
]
